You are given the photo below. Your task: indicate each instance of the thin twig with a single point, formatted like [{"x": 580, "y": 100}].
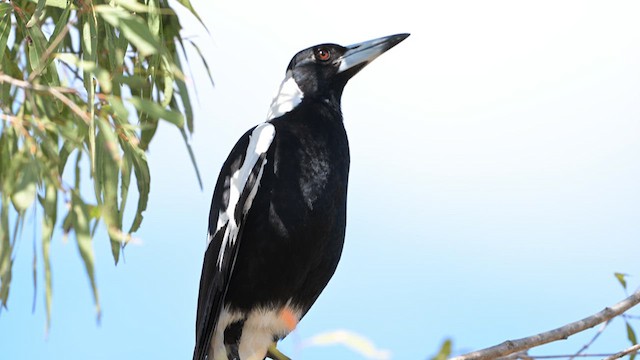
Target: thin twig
[
  {"x": 57, "y": 92},
  {"x": 4, "y": 78},
  {"x": 561, "y": 333},
  {"x": 73, "y": 106},
  {"x": 634, "y": 349},
  {"x": 593, "y": 339}
]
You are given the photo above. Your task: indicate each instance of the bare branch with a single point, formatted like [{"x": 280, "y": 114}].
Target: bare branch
[
  {"x": 634, "y": 349},
  {"x": 512, "y": 346}
]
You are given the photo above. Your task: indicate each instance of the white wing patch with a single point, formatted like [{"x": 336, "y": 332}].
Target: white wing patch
[
  {"x": 259, "y": 142},
  {"x": 289, "y": 96}
]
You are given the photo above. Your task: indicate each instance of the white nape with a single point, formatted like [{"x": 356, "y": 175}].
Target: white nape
[{"x": 288, "y": 97}]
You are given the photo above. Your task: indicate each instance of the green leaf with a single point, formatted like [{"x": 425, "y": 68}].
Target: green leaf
[
  {"x": 154, "y": 20},
  {"x": 24, "y": 192},
  {"x": 110, "y": 139},
  {"x": 156, "y": 111},
  {"x": 50, "y": 206},
  {"x": 36, "y": 14},
  {"x": 125, "y": 181},
  {"x": 80, "y": 221},
  {"x": 621, "y": 279},
  {"x": 5, "y": 251},
  {"x": 204, "y": 61},
  {"x": 631, "y": 335},
  {"x": 37, "y": 47},
  {"x": 167, "y": 80},
  {"x": 132, "y": 27},
  {"x": 143, "y": 178},
  {"x": 108, "y": 180},
  {"x": 5, "y": 8},
  {"x": 60, "y": 24},
  {"x": 191, "y": 156},
  {"x": 444, "y": 352},
  {"x": 89, "y": 43},
  {"x": 187, "y": 4},
  {"x": 62, "y": 4},
  {"x": 5, "y": 29}
]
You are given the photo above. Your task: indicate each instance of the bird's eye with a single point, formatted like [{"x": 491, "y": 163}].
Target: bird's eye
[{"x": 323, "y": 54}]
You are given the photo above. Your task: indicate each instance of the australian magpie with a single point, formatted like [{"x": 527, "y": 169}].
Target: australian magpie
[{"x": 278, "y": 214}]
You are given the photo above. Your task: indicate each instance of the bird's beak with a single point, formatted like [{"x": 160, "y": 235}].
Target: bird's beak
[{"x": 360, "y": 54}]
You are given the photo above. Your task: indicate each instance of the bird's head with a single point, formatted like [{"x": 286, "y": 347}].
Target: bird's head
[{"x": 322, "y": 71}]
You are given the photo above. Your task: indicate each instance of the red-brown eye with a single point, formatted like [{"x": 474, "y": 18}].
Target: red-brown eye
[{"x": 323, "y": 54}]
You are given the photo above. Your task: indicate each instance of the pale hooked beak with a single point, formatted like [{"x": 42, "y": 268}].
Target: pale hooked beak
[{"x": 360, "y": 54}]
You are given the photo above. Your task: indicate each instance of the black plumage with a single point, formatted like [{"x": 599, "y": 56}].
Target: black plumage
[{"x": 278, "y": 214}]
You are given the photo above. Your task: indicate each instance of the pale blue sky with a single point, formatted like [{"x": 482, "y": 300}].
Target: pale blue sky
[{"x": 494, "y": 184}]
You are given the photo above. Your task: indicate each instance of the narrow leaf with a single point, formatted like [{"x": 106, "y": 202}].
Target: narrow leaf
[
  {"x": 156, "y": 111},
  {"x": 110, "y": 139},
  {"x": 187, "y": 4},
  {"x": 167, "y": 80},
  {"x": 631, "y": 335},
  {"x": 36, "y": 14},
  {"x": 89, "y": 43},
  {"x": 49, "y": 205},
  {"x": 60, "y": 24},
  {"x": 24, "y": 192},
  {"x": 5, "y": 251},
  {"x": 204, "y": 61},
  {"x": 143, "y": 179},
  {"x": 621, "y": 279},
  {"x": 132, "y": 27},
  {"x": 37, "y": 48},
  {"x": 191, "y": 156},
  {"x": 109, "y": 185},
  {"x": 445, "y": 351},
  {"x": 5, "y": 29},
  {"x": 5, "y": 8},
  {"x": 125, "y": 181},
  {"x": 80, "y": 220},
  {"x": 57, "y": 3}
]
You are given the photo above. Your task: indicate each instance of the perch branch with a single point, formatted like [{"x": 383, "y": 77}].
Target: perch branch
[{"x": 512, "y": 346}]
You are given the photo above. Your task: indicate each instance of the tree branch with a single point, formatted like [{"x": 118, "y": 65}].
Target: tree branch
[
  {"x": 562, "y": 333},
  {"x": 633, "y": 349}
]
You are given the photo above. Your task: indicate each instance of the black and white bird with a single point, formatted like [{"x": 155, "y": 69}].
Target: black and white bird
[{"x": 278, "y": 214}]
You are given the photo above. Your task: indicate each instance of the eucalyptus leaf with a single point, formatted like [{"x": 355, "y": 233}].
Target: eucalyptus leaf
[
  {"x": 36, "y": 14},
  {"x": 156, "y": 111},
  {"x": 621, "y": 279},
  {"x": 143, "y": 180},
  {"x": 187, "y": 4},
  {"x": 5, "y": 30},
  {"x": 56, "y": 3},
  {"x": 24, "y": 191},
  {"x": 50, "y": 206},
  {"x": 444, "y": 352},
  {"x": 132, "y": 27},
  {"x": 5, "y": 8},
  {"x": 80, "y": 221},
  {"x": 96, "y": 88}
]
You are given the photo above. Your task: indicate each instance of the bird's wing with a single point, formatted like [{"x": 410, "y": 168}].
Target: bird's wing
[{"x": 237, "y": 185}]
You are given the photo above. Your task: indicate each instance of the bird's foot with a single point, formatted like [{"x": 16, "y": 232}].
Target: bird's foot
[{"x": 275, "y": 354}]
